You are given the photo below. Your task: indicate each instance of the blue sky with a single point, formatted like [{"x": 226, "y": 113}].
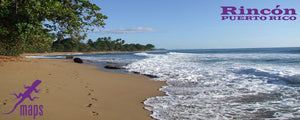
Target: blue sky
[{"x": 195, "y": 24}]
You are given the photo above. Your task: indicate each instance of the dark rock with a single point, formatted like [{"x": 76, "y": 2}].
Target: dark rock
[
  {"x": 69, "y": 57},
  {"x": 78, "y": 60},
  {"x": 150, "y": 76},
  {"x": 147, "y": 75},
  {"x": 136, "y": 72},
  {"x": 113, "y": 67},
  {"x": 111, "y": 63}
]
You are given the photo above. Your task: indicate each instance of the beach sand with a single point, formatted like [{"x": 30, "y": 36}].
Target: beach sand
[{"x": 72, "y": 91}]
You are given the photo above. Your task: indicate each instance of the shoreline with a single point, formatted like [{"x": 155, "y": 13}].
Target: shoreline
[
  {"x": 75, "y": 53},
  {"x": 82, "y": 90}
]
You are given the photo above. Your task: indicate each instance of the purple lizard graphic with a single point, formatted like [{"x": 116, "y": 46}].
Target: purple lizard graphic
[{"x": 26, "y": 94}]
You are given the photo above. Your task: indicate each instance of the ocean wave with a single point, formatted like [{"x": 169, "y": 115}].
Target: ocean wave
[
  {"x": 142, "y": 54},
  {"x": 229, "y": 86},
  {"x": 295, "y": 79},
  {"x": 48, "y": 56}
]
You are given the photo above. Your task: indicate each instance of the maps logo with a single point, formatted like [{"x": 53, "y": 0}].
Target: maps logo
[
  {"x": 30, "y": 110},
  {"x": 232, "y": 13}
]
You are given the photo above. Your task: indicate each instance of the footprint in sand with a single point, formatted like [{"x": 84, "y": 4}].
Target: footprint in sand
[
  {"x": 3, "y": 102},
  {"x": 94, "y": 113},
  {"x": 94, "y": 99},
  {"x": 76, "y": 76},
  {"x": 47, "y": 90},
  {"x": 92, "y": 90},
  {"x": 89, "y": 105}
]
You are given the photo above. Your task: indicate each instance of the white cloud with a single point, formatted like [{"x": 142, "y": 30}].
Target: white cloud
[{"x": 126, "y": 30}]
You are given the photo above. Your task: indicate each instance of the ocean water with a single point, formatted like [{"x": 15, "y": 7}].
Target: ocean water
[{"x": 256, "y": 83}]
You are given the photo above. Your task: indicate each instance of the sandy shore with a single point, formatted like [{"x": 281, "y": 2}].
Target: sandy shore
[{"x": 71, "y": 91}]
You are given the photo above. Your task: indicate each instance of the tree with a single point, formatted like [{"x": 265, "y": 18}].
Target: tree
[
  {"x": 149, "y": 46},
  {"x": 90, "y": 42},
  {"x": 101, "y": 44},
  {"x": 26, "y": 25},
  {"x": 66, "y": 45},
  {"x": 83, "y": 47}
]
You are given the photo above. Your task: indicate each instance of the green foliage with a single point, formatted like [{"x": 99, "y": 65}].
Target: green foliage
[
  {"x": 101, "y": 44},
  {"x": 28, "y": 25}
]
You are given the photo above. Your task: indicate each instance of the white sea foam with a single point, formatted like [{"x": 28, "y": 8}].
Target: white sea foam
[
  {"x": 112, "y": 59},
  {"x": 223, "y": 86},
  {"x": 47, "y": 57},
  {"x": 142, "y": 54}
]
